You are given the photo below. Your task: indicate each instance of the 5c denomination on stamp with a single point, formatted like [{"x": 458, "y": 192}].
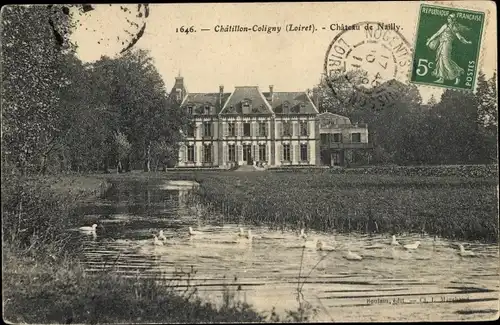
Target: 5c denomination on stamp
[
  {"x": 447, "y": 47},
  {"x": 368, "y": 56}
]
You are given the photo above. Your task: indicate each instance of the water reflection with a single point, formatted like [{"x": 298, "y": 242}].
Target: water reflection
[{"x": 267, "y": 269}]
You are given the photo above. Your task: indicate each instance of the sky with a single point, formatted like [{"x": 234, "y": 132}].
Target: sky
[{"x": 291, "y": 61}]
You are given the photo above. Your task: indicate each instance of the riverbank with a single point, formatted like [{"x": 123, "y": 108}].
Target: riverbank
[{"x": 45, "y": 283}]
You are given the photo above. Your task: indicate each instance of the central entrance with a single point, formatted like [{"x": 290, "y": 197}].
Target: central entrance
[{"x": 247, "y": 154}]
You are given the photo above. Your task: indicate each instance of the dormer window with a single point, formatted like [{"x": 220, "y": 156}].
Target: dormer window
[
  {"x": 286, "y": 105},
  {"x": 178, "y": 94},
  {"x": 207, "y": 110},
  {"x": 190, "y": 110},
  {"x": 246, "y": 105},
  {"x": 199, "y": 110}
]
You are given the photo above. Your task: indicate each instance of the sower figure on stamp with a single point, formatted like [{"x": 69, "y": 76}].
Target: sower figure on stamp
[{"x": 446, "y": 68}]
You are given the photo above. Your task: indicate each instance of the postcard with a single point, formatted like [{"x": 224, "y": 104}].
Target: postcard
[{"x": 250, "y": 162}]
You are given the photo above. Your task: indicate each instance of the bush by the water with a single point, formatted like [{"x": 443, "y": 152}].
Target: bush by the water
[{"x": 61, "y": 292}]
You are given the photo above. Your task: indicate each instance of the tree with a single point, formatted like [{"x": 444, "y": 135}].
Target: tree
[
  {"x": 487, "y": 98},
  {"x": 33, "y": 76},
  {"x": 134, "y": 94},
  {"x": 487, "y": 95},
  {"x": 123, "y": 149}
]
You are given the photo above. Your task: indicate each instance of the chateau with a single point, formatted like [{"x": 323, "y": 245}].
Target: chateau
[{"x": 276, "y": 129}]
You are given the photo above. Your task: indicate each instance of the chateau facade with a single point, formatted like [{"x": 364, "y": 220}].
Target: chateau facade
[{"x": 248, "y": 126}]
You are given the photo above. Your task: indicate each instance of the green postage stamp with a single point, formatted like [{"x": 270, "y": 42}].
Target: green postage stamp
[{"x": 447, "y": 47}]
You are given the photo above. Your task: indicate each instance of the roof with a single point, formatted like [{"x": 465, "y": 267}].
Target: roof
[
  {"x": 249, "y": 100},
  {"x": 202, "y": 99},
  {"x": 327, "y": 118},
  {"x": 291, "y": 103},
  {"x": 257, "y": 103}
]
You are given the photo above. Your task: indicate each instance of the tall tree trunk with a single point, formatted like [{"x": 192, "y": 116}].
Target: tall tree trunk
[
  {"x": 43, "y": 165},
  {"x": 105, "y": 166},
  {"x": 147, "y": 157}
]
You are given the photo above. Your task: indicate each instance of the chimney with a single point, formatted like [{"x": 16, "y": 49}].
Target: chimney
[
  {"x": 315, "y": 98},
  {"x": 221, "y": 93},
  {"x": 271, "y": 93}
]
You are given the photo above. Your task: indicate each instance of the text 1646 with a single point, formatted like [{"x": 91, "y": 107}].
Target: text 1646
[{"x": 185, "y": 30}]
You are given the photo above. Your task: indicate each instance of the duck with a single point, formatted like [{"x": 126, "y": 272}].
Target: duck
[
  {"x": 194, "y": 232},
  {"x": 394, "y": 241},
  {"x": 321, "y": 246},
  {"x": 412, "y": 246},
  {"x": 302, "y": 234},
  {"x": 161, "y": 235},
  {"x": 465, "y": 253},
  {"x": 250, "y": 236},
  {"x": 353, "y": 256},
  {"x": 241, "y": 233},
  {"x": 86, "y": 228},
  {"x": 157, "y": 242}
]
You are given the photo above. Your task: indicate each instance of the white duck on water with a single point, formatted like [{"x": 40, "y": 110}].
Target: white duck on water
[
  {"x": 321, "y": 246},
  {"x": 157, "y": 242},
  {"x": 161, "y": 236},
  {"x": 465, "y": 253},
  {"x": 251, "y": 236},
  {"x": 194, "y": 232},
  {"x": 302, "y": 234},
  {"x": 394, "y": 241},
  {"x": 241, "y": 233},
  {"x": 352, "y": 256},
  {"x": 412, "y": 246},
  {"x": 88, "y": 229}
]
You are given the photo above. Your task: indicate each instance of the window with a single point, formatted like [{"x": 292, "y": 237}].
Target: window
[
  {"x": 287, "y": 129},
  {"x": 356, "y": 137},
  {"x": 207, "y": 110},
  {"x": 190, "y": 152},
  {"x": 324, "y": 138},
  {"x": 232, "y": 152},
  {"x": 246, "y": 129},
  {"x": 303, "y": 152},
  {"x": 207, "y": 153},
  {"x": 286, "y": 152},
  {"x": 336, "y": 137},
  {"x": 190, "y": 130},
  {"x": 262, "y": 152},
  {"x": 178, "y": 94},
  {"x": 262, "y": 129},
  {"x": 190, "y": 110},
  {"x": 303, "y": 128},
  {"x": 207, "y": 129},
  {"x": 231, "y": 129}
]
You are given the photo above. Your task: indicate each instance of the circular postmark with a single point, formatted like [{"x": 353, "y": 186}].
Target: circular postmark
[
  {"x": 363, "y": 61},
  {"x": 104, "y": 29}
]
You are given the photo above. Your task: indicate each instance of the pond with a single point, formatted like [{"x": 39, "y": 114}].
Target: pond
[{"x": 390, "y": 283}]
